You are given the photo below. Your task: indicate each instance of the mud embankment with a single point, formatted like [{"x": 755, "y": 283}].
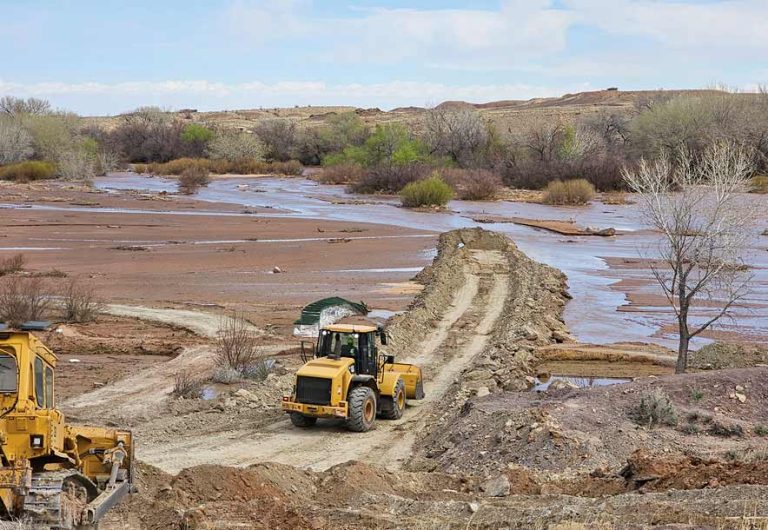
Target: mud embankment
[
  {"x": 357, "y": 496},
  {"x": 531, "y": 317}
]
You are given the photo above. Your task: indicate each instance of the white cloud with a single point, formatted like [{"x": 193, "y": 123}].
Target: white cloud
[
  {"x": 516, "y": 33},
  {"x": 700, "y": 27},
  {"x": 513, "y": 33}
]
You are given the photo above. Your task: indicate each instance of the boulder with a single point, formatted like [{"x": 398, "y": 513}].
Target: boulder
[
  {"x": 562, "y": 385},
  {"x": 498, "y": 486},
  {"x": 562, "y": 336},
  {"x": 482, "y": 391},
  {"x": 530, "y": 334}
]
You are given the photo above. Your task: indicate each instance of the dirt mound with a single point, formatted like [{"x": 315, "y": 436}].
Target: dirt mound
[
  {"x": 204, "y": 496},
  {"x": 357, "y": 496},
  {"x": 720, "y": 355},
  {"x": 565, "y": 431},
  {"x": 647, "y": 471},
  {"x": 119, "y": 336}
]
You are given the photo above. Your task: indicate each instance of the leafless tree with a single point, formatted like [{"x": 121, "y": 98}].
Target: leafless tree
[
  {"x": 613, "y": 128},
  {"x": 543, "y": 139},
  {"x": 16, "y": 107},
  {"x": 80, "y": 302},
  {"x": 279, "y": 136},
  {"x": 705, "y": 225},
  {"x": 236, "y": 347},
  {"x": 460, "y": 134},
  {"x": 23, "y": 299},
  {"x": 15, "y": 141}
]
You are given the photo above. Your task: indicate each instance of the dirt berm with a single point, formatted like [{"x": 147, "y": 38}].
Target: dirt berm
[{"x": 531, "y": 314}]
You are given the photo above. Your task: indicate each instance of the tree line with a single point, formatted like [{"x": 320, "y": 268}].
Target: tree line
[{"x": 471, "y": 152}]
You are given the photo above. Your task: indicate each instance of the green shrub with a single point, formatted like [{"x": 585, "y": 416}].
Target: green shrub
[
  {"x": 196, "y": 133},
  {"x": 351, "y": 154},
  {"x": 569, "y": 192},
  {"x": 760, "y": 184},
  {"x": 192, "y": 179},
  {"x": 28, "y": 171},
  {"x": 761, "y": 430},
  {"x": 697, "y": 394},
  {"x": 691, "y": 428},
  {"x": 431, "y": 191},
  {"x": 655, "y": 408}
]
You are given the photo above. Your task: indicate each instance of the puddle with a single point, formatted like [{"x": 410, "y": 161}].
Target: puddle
[
  {"x": 29, "y": 249},
  {"x": 582, "y": 382},
  {"x": 382, "y": 315},
  {"x": 382, "y": 271}
]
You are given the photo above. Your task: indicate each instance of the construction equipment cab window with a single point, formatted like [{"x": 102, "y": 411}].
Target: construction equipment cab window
[
  {"x": 43, "y": 384},
  {"x": 8, "y": 374},
  {"x": 353, "y": 345}
]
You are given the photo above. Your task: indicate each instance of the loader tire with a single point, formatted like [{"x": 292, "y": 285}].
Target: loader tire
[
  {"x": 362, "y": 409},
  {"x": 300, "y": 420},
  {"x": 398, "y": 403}
]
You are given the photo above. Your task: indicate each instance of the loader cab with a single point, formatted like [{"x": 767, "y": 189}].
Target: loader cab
[{"x": 356, "y": 342}]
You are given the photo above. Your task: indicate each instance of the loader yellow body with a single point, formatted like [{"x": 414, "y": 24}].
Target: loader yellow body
[{"x": 347, "y": 379}]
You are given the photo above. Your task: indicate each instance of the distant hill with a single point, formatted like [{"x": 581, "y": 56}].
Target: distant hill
[{"x": 507, "y": 115}]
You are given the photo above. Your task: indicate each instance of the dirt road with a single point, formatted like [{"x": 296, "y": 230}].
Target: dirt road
[{"x": 456, "y": 340}]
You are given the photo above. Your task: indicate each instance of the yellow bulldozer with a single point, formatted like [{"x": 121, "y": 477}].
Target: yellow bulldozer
[
  {"x": 53, "y": 474},
  {"x": 348, "y": 379}
]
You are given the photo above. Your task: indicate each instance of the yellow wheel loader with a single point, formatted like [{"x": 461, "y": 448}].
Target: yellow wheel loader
[
  {"x": 348, "y": 379},
  {"x": 52, "y": 474}
]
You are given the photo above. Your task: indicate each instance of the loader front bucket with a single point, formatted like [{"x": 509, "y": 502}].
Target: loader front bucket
[{"x": 411, "y": 375}]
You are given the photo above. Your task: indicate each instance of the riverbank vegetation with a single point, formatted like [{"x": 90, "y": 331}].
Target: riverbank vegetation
[{"x": 473, "y": 154}]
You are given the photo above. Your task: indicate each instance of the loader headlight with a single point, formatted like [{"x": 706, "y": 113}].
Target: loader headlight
[
  {"x": 36, "y": 441},
  {"x": 351, "y": 368}
]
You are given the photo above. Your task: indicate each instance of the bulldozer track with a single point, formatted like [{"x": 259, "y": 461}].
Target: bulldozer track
[{"x": 456, "y": 340}]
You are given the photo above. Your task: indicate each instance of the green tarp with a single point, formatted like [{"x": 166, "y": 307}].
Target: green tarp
[{"x": 310, "y": 315}]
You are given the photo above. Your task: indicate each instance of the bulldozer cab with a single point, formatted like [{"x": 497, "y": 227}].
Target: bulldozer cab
[
  {"x": 350, "y": 341},
  {"x": 26, "y": 373}
]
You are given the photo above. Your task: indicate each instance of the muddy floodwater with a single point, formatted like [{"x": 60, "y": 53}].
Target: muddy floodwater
[{"x": 614, "y": 297}]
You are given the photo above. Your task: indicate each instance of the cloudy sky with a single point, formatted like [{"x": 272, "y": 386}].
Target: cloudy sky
[{"x": 109, "y": 56}]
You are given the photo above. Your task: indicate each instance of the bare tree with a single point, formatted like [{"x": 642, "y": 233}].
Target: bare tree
[
  {"x": 236, "y": 347},
  {"x": 460, "y": 134},
  {"x": 80, "y": 302},
  {"x": 613, "y": 128},
  {"x": 543, "y": 140},
  {"x": 16, "y": 107},
  {"x": 279, "y": 136},
  {"x": 705, "y": 225},
  {"x": 15, "y": 141},
  {"x": 23, "y": 299}
]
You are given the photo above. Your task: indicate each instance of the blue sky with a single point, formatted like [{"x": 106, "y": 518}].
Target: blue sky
[{"x": 109, "y": 56}]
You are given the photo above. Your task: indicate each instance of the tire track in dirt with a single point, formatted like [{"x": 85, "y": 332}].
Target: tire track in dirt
[
  {"x": 460, "y": 335},
  {"x": 139, "y": 396}
]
